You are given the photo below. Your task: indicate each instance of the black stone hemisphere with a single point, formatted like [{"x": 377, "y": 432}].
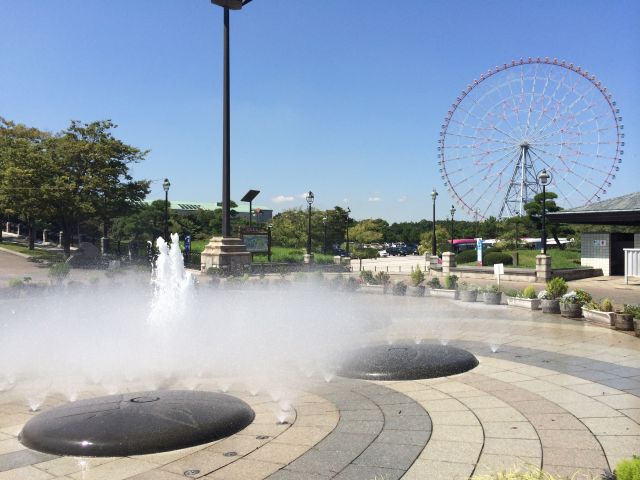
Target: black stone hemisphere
[
  {"x": 406, "y": 362},
  {"x": 136, "y": 423}
]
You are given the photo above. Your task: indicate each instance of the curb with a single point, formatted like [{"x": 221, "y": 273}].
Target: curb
[{"x": 23, "y": 255}]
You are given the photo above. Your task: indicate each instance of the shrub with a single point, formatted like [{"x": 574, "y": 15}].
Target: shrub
[
  {"x": 364, "y": 253},
  {"x": 16, "y": 282},
  {"x": 466, "y": 256},
  {"x": 467, "y": 287},
  {"x": 367, "y": 277},
  {"x": 628, "y": 469},
  {"x": 533, "y": 473},
  {"x": 451, "y": 282},
  {"x": 632, "y": 310},
  {"x": 417, "y": 276},
  {"x": 59, "y": 271},
  {"x": 434, "y": 283},
  {"x": 351, "y": 284},
  {"x": 529, "y": 292},
  {"x": 399, "y": 288},
  {"x": 557, "y": 287},
  {"x": 583, "y": 296},
  {"x": 606, "y": 305},
  {"x": 512, "y": 292},
  {"x": 497, "y": 257},
  {"x": 491, "y": 289},
  {"x": 382, "y": 278}
]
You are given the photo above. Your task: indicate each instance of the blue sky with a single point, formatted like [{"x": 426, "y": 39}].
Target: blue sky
[{"x": 345, "y": 98}]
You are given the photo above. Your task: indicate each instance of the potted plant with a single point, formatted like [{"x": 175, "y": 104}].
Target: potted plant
[
  {"x": 436, "y": 289},
  {"x": 635, "y": 311},
  {"x": 527, "y": 298},
  {"x": 399, "y": 288},
  {"x": 599, "y": 312},
  {"x": 417, "y": 277},
  {"x": 467, "y": 292},
  {"x": 624, "y": 318},
  {"x": 383, "y": 278},
  {"x": 571, "y": 303},
  {"x": 556, "y": 288},
  {"x": 492, "y": 295}
]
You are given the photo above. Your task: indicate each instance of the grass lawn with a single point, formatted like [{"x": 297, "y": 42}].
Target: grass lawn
[
  {"x": 37, "y": 252},
  {"x": 559, "y": 258},
  {"x": 278, "y": 254}
]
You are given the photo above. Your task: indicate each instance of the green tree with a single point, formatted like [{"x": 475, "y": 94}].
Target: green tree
[
  {"x": 25, "y": 172},
  {"x": 534, "y": 213},
  {"x": 442, "y": 240},
  {"x": 369, "y": 231},
  {"x": 512, "y": 229}
]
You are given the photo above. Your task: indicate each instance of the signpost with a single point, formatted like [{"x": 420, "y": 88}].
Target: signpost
[
  {"x": 498, "y": 269},
  {"x": 479, "y": 250}
]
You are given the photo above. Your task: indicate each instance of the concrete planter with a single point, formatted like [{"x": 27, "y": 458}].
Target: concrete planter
[
  {"x": 468, "y": 295},
  {"x": 443, "y": 292},
  {"x": 550, "y": 306},
  {"x": 372, "y": 289},
  {"x": 597, "y": 316},
  {"x": 416, "y": 291},
  {"x": 528, "y": 303},
  {"x": 492, "y": 298},
  {"x": 623, "y": 321},
  {"x": 636, "y": 326},
  {"x": 571, "y": 310}
]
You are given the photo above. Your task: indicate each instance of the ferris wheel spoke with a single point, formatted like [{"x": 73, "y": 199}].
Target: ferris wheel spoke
[
  {"x": 479, "y": 155},
  {"x": 570, "y": 171},
  {"x": 513, "y": 102},
  {"x": 497, "y": 176},
  {"x": 569, "y": 108},
  {"x": 552, "y": 96},
  {"x": 471, "y": 137},
  {"x": 570, "y": 89},
  {"x": 533, "y": 91}
]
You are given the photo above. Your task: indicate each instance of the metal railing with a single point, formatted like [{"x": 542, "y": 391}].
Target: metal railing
[{"x": 631, "y": 263}]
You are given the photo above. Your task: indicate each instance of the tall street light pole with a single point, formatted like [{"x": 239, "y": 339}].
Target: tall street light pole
[
  {"x": 324, "y": 239},
  {"x": 544, "y": 179},
  {"x": 226, "y": 109},
  {"x": 310, "y": 199},
  {"x": 434, "y": 247},
  {"x": 165, "y": 186},
  {"x": 453, "y": 211},
  {"x": 348, "y": 210}
]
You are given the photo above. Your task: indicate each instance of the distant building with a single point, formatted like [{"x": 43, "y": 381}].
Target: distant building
[
  {"x": 603, "y": 249},
  {"x": 260, "y": 214}
]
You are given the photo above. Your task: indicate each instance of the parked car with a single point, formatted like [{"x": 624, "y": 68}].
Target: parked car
[
  {"x": 383, "y": 253},
  {"x": 396, "y": 251}
]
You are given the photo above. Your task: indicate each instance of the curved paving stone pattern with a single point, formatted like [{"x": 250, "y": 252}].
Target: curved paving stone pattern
[{"x": 557, "y": 393}]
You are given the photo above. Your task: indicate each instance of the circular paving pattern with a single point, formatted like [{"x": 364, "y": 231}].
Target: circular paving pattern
[
  {"x": 136, "y": 423},
  {"x": 406, "y": 362}
]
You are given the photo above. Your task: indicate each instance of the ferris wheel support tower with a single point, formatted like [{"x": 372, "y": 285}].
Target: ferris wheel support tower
[{"x": 523, "y": 186}]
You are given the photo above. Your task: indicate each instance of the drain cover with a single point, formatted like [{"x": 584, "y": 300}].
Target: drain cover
[
  {"x": 406, "y": 362},
  {"x": 136, "y": 423}
]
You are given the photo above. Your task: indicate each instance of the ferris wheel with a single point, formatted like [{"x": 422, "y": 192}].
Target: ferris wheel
[{"x": 520, "y": 118}]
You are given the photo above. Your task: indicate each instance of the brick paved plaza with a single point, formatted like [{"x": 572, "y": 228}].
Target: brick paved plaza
[{"x": 549, "y": 392}]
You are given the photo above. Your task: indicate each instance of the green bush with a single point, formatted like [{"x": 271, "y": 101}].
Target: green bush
[
  {"x": 451, "y": 282},
  {"x": 497, "y": 257},
  {"x": 605, "y": 305},
  {"x": 466, "y": 256},
  {"x": 467, "y": 287},
  {"x": 628, "y": 469},
  {"x": 529, "y": 292},
  {"x": 434, "y": 283},
  {"x": 399, "y": 288},
  {"x": 367, "y": 277},
  {"x": 632, "y": 310},
  {"x": 557, "y": 287},
  {"x": 364, "y": 253},
  {"x": 417, "y": 276},
  {"x": 59, "y": 271},
  {"x": 583, "y": 297},
  {"x": 382, "y": 278},
  {"x": 16, "y": 282}
]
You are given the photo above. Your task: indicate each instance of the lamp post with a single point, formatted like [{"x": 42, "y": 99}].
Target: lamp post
[
  {"x": 544, "y": 179},
  {"x": 309, "y": 199},
  {"x": 226, "y": 132},
  {"x": 434, "y": 247},
  {"x": 324, "y": 238},
  {"x": 477, "y": 212},
  {"x": 348, "y": 210},
  {"x": 269, "y": 227},
  {"x": 453, "y": 211},
  {"x": 165, "y": 186}
]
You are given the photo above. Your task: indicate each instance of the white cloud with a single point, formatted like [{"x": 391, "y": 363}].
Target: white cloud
[
  {"x": 402, "y": 199},
  {"x": 282, "y": 199},
  {"x": 375, "y": 199}
]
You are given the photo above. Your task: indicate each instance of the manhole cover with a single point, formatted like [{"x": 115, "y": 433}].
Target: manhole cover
[{"x": 136, "y": 423}]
